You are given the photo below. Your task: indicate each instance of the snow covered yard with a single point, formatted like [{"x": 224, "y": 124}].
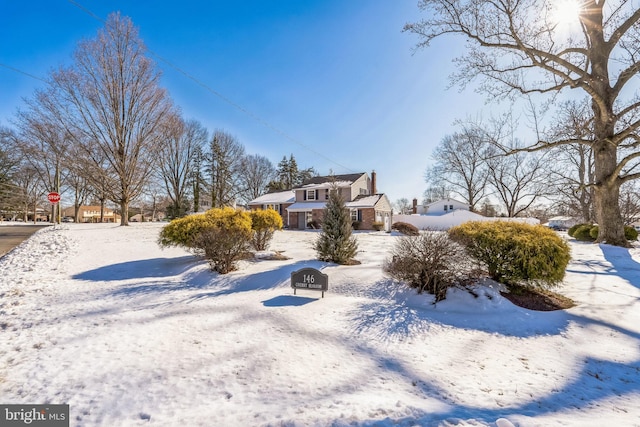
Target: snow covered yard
[{"x": 128, "y": 334}]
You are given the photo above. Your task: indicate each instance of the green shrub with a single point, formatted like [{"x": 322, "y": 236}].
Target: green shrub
[
  {"x": 336, "y": 242},
  {"x": 378, "y": 226},
  {"x": 630, "y": 233},
  {"x": 583, "y": 233},
  {"x": 405, "y": 228},
  {"x": 515, "y": 253},
  {"x": 264, "y": 223},
  {"x": 571, "y": 231},
  {"x": 430, "y": 262}
]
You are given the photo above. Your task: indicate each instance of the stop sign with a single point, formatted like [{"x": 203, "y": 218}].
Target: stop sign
[{"x": 53, "y": 197}]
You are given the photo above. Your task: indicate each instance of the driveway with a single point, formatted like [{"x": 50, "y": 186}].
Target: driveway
[{"x": 12, "y": 235}]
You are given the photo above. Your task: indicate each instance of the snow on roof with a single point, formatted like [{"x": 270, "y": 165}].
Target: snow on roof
[
  {"x": 448, "y": 200},
  {"x": 328, "y": 184},
  {"x": 306, "y": 206},
  {"x": 279, "y": 197},
  {"x": 364, "y": 202}
]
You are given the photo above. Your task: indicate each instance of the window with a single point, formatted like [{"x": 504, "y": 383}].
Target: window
[
  {"x": 450, "y": 207},
  {"x": 275, "y": 207},
  {"x": 364, "y": 192},
  {"x": 445, "y": 208},
  {"x": 354, "y": 214},
  {"x": 308, "y": 218},
  {"x": 311, "y": 194}
]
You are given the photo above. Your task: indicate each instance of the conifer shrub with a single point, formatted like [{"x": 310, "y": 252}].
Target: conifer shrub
[
  {"x": 430, "y": 262},
  {"x": 515, "y": 254},
  {"x": 182, "y": 231},
  {"x": 222, "y": 235},
  {"x": 405, "y": 228},
  {"x": 583, "y": 233},
  {"x": 336, "y": 242},
  {"x": 264, "y": 223}
]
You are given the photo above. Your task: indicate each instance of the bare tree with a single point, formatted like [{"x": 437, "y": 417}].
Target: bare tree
[
  {"x": 9, "y": 160},
  {"x": 519, "y": 180},
  {"x": 573, "y": 165},
  {"x": 110, "y": 101},
  {"x": 225, "y": 163},
  {"x": 519, "y": 47},
  {"x": 176, "y": 160},
  {"x": 256, "y": 174},
  {"x": 436, "y": 192},
  {"x": 403, "y": 206},
  {"x": 630, "y": 202},
  {"x": 460, "y": 163}
]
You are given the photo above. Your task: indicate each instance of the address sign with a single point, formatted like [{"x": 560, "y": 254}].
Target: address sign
[{"x": 309, "y": 278}]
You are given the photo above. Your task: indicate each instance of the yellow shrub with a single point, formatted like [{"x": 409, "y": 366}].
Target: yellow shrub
[
  {"x": 263, "y": 224},
  {"x": 515, "y": 252}
]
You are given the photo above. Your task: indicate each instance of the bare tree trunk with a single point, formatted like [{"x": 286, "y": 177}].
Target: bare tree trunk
[{"x": 607, "y": 196}]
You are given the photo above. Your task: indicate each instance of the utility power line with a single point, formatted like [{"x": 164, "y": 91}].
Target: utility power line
[{"x": 224, "y": 98}]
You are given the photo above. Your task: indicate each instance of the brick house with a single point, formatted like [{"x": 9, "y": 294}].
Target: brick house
[
  {"x": 359, "y": 192},
  {"x": 278, "y": 201}
]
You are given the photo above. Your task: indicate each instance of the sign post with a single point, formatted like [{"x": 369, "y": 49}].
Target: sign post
[
  {"x": 54, "y": 198},
  {"x": 309, "y": 278}
]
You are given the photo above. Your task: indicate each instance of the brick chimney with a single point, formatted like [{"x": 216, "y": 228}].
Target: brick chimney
[
  {"x": 374, "y": 188},
  {"x": 415, "y": 206}
]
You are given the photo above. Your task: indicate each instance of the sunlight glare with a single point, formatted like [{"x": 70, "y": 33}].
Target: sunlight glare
[{"x": 567, "y": 11}]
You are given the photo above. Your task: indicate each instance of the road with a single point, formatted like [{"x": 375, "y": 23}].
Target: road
[{"x": 12, "y": 235}]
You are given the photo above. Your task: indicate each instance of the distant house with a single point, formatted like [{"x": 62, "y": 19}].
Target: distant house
[
  {"x": 439, "y": 207},
  {"x": 358, "y": 191},
  {"x": 91, "y": 214},
  {"x": 278, "y": 201}
]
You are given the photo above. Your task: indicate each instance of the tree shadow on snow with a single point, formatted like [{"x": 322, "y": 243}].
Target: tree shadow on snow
[
  {"x": 271, "y": 279},
  {"x": 141, "y": 269},
  {"x": 398, "y": 313},
  {"x": 623, "y": 263}
]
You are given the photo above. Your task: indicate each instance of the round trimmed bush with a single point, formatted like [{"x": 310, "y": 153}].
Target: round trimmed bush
[
  {"x": 515, "y": 253},
  {"x": 630, "y": 233},
  {"x": 571, "y": 231},
  {"x": 583, "y": 233}
]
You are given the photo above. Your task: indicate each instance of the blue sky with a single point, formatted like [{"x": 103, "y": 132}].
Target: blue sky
[{"x": 333, "y": 82}]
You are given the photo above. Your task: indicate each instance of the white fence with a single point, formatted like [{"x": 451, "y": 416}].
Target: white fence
[{"x": 444, "y": 222}]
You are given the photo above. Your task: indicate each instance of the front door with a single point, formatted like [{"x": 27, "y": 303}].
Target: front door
[{"x": 302, "y": 223}]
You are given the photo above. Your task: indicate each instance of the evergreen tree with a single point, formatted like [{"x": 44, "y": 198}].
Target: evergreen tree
[{"x": 336, "y": 243}]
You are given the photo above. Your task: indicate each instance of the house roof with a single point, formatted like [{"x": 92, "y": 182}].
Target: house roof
[
  {"x": 447, "y": 199},
  {"x": 279, "y": 197},
  {"x": 364, "y": 201},
  {"x": 306, "y": 206},
  {"x": 340, "y": 180}
]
